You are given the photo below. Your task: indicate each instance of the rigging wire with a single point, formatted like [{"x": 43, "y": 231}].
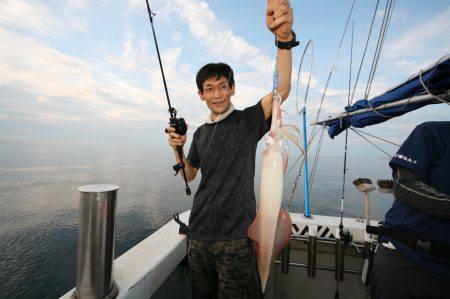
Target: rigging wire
[
  {"x": 379, "y": 138},
  {"x": 381, "y": 38},
  {"x": 364, "y": 53},
  {"x": 387, "y": 154},
  {"x": 315, "y": 131},
  {"x": 333, "y": 68}
]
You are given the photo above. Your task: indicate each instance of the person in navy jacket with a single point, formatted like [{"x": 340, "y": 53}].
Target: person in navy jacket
[{"x": 417, "y": 264}]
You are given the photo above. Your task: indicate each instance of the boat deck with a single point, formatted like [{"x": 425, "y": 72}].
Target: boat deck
[{"x": 157, "y": 267}]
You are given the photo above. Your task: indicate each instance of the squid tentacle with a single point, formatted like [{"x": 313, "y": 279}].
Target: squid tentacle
[
  {"x": 286, "y": 130},
  {"x": 291, "y": 127},
  {"x": 285, "y": 154}
]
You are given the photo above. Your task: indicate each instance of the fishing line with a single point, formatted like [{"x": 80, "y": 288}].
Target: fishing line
[
  {"x": 308, "y": 45},
  {"x": 316, "y": 160},
  {"x": 299, "y": 174}
]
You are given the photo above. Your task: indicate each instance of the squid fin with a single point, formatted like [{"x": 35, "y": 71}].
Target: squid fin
[
  {"x": 283, "y": 232},
  {"x": 282, "y": 238}
]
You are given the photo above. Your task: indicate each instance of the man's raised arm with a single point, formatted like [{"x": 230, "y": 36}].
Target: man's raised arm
[{"x": 279, "y": 18}]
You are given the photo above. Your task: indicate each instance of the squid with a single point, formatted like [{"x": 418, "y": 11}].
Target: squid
[{"x": 271, "y": 229}]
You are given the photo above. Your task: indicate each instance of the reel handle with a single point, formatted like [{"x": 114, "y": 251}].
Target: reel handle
[{"x": 180, "y": 166}]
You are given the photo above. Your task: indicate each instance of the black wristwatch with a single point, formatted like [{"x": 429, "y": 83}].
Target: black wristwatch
[{"x": 287, "y": 45}]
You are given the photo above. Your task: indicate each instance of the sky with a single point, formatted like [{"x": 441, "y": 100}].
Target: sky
[{"x": 88, "y": 70}]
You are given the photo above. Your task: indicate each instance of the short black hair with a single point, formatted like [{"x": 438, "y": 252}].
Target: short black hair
[{"x": 214, "y": 71}]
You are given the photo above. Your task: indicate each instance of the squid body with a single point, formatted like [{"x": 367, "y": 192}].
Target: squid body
[{"x": 271, "y": 229}]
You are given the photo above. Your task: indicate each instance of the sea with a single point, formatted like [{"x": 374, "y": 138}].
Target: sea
[{"x": 39, "y": 199}]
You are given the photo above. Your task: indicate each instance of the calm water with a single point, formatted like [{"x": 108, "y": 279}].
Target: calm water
[{"x": 39, "y": 203}]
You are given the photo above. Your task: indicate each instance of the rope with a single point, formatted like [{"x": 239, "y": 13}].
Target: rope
[{"x": 428, "y": 91}]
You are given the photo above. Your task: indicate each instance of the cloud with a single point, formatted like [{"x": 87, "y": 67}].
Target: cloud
[
  {"x": 215, "y": 36},
  {"x": 53, "y": 76},
  {"x": 397, "y": 16},
  {"x": 34, "y": 17},
  {"x": 77, "y": 4},
  {"x": 80, "y": 25},
  {"x": 413, "y": 50},
  {"x": 131, "y": 114},
  {"x": 41, "y": 99},
  {"x": 40, "y": 114},
  {"x": 133, "y": 5},
  {"x": 4, "y": 116}
]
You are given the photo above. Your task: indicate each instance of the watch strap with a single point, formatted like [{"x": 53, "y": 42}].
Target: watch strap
[{"x": 287, "y": 45}]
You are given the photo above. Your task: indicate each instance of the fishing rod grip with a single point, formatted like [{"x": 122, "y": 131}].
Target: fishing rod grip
[{"x": 182, "y": 165}]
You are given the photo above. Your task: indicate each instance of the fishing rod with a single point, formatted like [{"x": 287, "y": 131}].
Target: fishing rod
[
  {"x": 302, "y": 112},
  {"x": 178, "y": 123},
  {"x": 345, "y": 236}
]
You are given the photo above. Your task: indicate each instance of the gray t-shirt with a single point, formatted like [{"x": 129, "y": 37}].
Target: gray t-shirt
[{"x": 224, "y": 204}]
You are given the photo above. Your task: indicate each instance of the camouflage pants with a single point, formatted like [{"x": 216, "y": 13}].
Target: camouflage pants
[{"x": 221, "y": 269}]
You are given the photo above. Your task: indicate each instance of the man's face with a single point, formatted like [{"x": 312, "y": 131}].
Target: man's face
[{"x": 217, "y": 94}]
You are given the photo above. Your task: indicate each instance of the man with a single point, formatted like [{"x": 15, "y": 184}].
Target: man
[
  {"x": 220, "y": 253},
  {"x": 414, "y": 259}
]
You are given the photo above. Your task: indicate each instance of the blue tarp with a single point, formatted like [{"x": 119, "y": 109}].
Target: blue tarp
[{"x": 437, "y": 80}]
